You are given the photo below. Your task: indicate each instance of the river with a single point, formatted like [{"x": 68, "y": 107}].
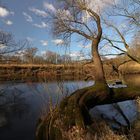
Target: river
[{"x": 21, "y": 104}]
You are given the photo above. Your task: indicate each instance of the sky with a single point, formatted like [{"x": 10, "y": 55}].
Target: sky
[
  {"x": 24, "y": 24},
  {"x": 25, "y": 19}
]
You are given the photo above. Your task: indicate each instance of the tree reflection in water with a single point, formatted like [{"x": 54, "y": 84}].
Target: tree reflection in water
[{"x": 12, "y": 103}]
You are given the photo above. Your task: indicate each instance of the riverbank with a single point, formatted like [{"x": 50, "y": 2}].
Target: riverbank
[
  {"x": 28, "y": 72},
  {"x": 130, "y": 68}
]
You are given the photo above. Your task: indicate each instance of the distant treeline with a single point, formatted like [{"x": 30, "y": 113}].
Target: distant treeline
[{"x": 73, "y": 71}]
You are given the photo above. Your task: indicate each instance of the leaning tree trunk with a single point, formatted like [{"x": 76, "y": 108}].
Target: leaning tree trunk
[
  {"x": 73, "y": 111},
  {"x": 72, "y": 115}
]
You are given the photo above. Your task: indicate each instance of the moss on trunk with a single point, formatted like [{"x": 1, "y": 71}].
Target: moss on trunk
[{"x": 74, "y": 110}]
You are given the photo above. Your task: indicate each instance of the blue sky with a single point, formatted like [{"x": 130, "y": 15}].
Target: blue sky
[
  {"x": 25, "y": 19},
  {"x": 24, "y": 24},
  {"x": 21, "y": 28}
]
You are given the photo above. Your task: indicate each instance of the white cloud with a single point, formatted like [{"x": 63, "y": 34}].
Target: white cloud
[
  {"x": 42, "y": 25},
  {"x": 20, "y": 53},
  {"x": 49, "y": 7},
  {"x": 2, "y": 46},
  {"x": 74, "y": 54},
  {"x": 38, "y": 12},
  {"x": 64, "y": 14},
  {"x": 81, "y": 58},
  {"x": 30, "y": 39},
  {"x": 85, "y": 46},
  {"x": 44, "y": 42},
  {"x": 43, "y": 52},
  {"x": 58, "y": 41},
  {"x": 98, "y": 5},
  {"x": 27, "y": 17},
  {"x": 77, "y": 55},
  {"x": 4, "y": 12},
  {"x": 8, "y": 22},
  {"x": 85, "y": 17}
]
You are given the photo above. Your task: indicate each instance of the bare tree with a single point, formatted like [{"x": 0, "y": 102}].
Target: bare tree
[
  {"x": 29, "y": 54},
  {"x": 129, "y": 12},
  {"x": 127, "y": 9},
  {"x": 8, "y": 45},
  {"x": 78, "y": 17},
  {"x": 71, "y": 20},
  {"x": 123, "y": 51},
  {"x": 51, "y": 57},
  {"x": 136, "y": 46}
]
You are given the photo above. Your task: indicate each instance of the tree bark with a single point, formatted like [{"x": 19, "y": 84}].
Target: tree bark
[{"x": 99, "y": 72}]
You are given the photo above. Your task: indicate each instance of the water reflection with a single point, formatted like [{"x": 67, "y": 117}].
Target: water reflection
[
  {"x": 21, "y": 104},
  {"x": 13, "y": 107}
]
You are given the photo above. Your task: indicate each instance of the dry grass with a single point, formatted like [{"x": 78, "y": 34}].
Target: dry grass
[
  {"x": 130, "y": 67},
  {"x": 101, "y": 131},
  {"x": 98, "y": 131}
]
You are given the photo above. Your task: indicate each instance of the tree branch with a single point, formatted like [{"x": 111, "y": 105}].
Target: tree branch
[
  {"x": 125, "y": 52},
  {"x": 80, "y": 33}
]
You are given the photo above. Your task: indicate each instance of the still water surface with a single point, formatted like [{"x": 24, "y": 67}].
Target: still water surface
[{"x": 21, "y": 104}]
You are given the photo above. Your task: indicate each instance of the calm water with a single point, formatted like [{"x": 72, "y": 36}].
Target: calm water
[{"x": 21, "y": 104}]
